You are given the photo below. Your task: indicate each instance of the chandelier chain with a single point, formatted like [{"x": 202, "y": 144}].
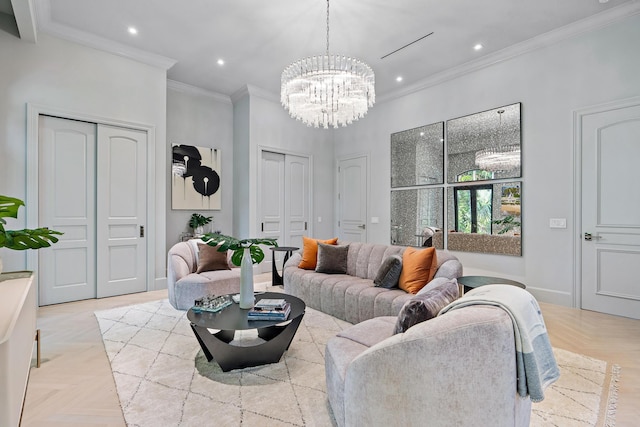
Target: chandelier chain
[
  {"x": 327, "y": 90},
  {"x": 327, "y": 27}
]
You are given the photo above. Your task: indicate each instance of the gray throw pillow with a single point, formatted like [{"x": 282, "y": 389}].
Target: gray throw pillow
[
  {"x": 389, "y": 272},
  {"x": 332, "y": 259},
  {"x": 426, "y": 305}
]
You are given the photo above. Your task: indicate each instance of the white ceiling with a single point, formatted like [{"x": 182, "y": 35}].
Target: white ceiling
[{"x": 258, "y": 38}]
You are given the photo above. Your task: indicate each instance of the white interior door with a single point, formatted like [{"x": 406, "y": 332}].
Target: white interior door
[
  {"x": 296, "y": 200},
  {"x": 352, "y": 199},
  {"x": 92, "y": 187},
  {"x": 67, "y": 270},
  {"x": 284, "y": 200},
  {"x": 610, "y": 141},
  {"x": 272, "y": 195},
  {"x": 121, "y": 211}
]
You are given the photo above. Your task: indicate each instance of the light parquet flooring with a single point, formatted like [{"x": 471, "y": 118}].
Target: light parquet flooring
[{"x": 74, "y": 385}]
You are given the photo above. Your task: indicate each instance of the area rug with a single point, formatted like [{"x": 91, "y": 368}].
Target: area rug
[{"x": 163, "y": 379}]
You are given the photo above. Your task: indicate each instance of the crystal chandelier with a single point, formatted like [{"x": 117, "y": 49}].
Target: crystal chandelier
[
  {"x": 496, "y": 159},
  {"x": 327, "y": 90}
]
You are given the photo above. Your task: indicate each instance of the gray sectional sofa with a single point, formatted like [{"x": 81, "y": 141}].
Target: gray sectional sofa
[
  {"x": 353, "y": 296},
  {"x": 457, "y": 369}
]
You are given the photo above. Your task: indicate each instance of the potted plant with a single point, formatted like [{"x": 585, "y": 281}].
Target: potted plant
[
  {"x": 246, "y": 252},
  {"x": 508, "y": 223},
  {"x": 197, "y": 223},
  {"x": 19, "y": 240}
]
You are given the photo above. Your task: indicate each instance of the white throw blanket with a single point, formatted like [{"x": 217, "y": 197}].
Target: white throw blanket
[{"x": 536, "y": 365}]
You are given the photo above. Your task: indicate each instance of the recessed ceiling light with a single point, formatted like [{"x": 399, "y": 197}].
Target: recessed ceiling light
[
  {"x": 132, "y": 30},
  {"x": 399, "y": 78},
  {"x": 478, "y": 46},
  {"x": 220, "y": 61},
  {"x": 603, "y": 1}
]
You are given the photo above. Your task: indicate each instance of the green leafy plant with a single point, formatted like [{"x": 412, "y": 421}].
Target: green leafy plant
[
  {"x": 22, "y": 239},
  {"x": 198, "y": 220},
  {"x": 507, "y": 224},
  {"x": 238, "y": 246}
]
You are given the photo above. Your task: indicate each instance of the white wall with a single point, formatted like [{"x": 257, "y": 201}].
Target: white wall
[
  {"x": 551, "y": 82},
  {"x": 271, "y": 127},
  {"x": 205, "y": 119},
  {"x": 68, "y": 77}
]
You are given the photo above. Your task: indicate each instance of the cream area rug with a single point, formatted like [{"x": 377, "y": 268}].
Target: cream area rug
[{"x": 163, "y": 379}]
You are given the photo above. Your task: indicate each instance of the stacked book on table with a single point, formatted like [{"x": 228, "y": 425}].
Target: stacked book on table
[{"x": 270, "y": 309}]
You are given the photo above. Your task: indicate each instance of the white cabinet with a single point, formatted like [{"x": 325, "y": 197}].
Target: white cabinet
[{"x": 17, "y": 332}]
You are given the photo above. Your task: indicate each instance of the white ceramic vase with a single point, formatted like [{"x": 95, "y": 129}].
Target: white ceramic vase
[{"x": 246, "y": 280}]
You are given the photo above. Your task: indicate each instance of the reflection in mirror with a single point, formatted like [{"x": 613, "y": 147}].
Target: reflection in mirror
[
  {"x": 485, "y": 145},
  {"x": 417, "y": 156},
  {"x": 485, "y": 218},
  {"x": 417, "y": 217}
]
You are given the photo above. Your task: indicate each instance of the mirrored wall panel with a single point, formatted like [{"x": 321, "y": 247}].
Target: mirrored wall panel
[
  {"x": 417, "y": 156},
  {"x": 417, "y": 217},
  {"x": 485, "y": 218},
  {"x": 485, "y": 146}
]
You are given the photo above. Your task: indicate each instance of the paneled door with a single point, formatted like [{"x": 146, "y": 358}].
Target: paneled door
[
  {"x": 67, "y": 270},
  {"x": 610, "y": 143},
  {"x": 352, "y": 199},
  {"x": 284, "y": 199},
  {"x": 92, "y": 187},
  {"x": 121, "y": 211},
  {"x": 296, "y": 190}
]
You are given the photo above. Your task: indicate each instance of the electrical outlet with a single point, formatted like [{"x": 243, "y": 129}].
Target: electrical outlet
[{"x": 557, "y": 223}]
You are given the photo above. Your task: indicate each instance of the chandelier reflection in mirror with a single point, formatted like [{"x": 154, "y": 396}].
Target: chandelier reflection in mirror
[
  {"x": 327, "y": 90},
  {"x": 497, "y": 159}
]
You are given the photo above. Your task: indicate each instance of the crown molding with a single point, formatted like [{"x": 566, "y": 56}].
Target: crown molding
[
  {"x": 198, "y": 91},
  {"x": 24, "y": 14},
  {"x": 591, "y": 23},
  {"x": 43, "y": 19},
  {"x": 239, "y": 94},
  {"x": 251, "y": 90}
]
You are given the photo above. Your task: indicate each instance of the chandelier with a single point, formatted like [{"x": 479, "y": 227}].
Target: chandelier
[
  {"x": 497, "y": 159},
  {"x": 327, "y": 90}
]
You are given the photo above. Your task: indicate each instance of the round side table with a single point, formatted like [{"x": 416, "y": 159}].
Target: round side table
[
  {"x": 276, "y": 278},
  {"x": 469, "y": 282}
]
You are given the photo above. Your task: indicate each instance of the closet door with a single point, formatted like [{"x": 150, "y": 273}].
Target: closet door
[
  {"x": 296, "y": 199},
  {"x": 284, "y": 200},
  {"x": 121, "y": 211},
  {"x": 92, "y": 187},
  {"x": 66, "y": 191}
]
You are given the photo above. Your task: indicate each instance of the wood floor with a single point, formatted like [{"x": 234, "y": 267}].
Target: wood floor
[{"x": 74, "y": 385}]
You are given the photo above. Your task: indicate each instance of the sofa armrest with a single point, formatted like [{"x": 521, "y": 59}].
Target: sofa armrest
[
  {"x": 293, "y": 260},
  {"x": 449, "y": 370}
]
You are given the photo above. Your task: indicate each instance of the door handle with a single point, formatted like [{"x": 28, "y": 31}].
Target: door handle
[
  {"x": 589, "y": 237},
  {"x": 142, "y": 231},
  {"x": 362, "y": 226}
]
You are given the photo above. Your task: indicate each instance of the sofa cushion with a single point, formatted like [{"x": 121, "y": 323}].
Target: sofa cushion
[
  {"x": 210, "y": 259},
  {"x": 389, "y": 272},
  {"x": 426, "y": 305},
  {"x": 332, "y": 259},
  {"x": 418, "y": 268},
  {"x": 310, "y": 251}
]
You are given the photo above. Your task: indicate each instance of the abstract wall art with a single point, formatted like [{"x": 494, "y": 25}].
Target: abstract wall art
[{"x": 195, "y": 178}]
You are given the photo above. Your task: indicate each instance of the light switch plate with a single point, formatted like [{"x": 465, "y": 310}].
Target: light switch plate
[
  {"x": 375, "y": 220},
  {"x": 557, "y": 223}
]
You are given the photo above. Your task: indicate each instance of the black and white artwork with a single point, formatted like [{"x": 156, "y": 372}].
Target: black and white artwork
[{"x": 195, "y": 178}]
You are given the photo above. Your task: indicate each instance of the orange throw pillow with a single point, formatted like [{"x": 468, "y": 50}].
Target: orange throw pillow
[
  {"x": 310, "y": 251},
  {"x": 418, "y": 268}
]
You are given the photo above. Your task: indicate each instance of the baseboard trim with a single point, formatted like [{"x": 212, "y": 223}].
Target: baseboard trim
[
  {"x": 552, "y": 297},
  {"x": 159, "y": 283}
]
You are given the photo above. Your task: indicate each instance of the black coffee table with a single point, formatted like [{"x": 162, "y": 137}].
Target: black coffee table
[{"x": 276, "y": 334}]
